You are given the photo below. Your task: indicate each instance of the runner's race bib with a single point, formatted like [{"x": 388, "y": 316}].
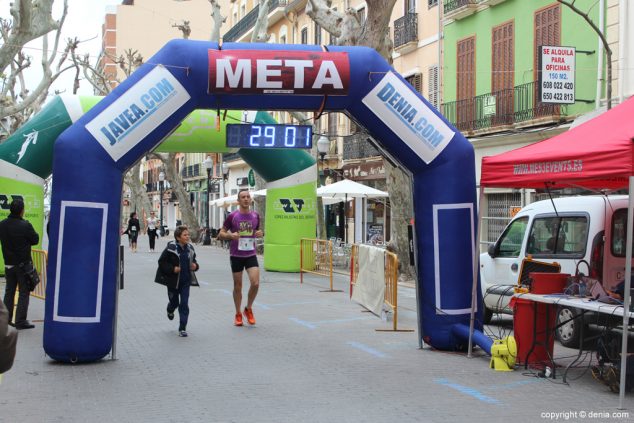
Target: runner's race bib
[{"x": 245, "y": 244}]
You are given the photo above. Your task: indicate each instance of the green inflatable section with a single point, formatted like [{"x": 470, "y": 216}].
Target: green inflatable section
[
  {"x": 17, "y": 183},
  {"x": 290, "y": 174},
  {"x": 31, "y": 146},
  {"x": 291, "y": 200}
]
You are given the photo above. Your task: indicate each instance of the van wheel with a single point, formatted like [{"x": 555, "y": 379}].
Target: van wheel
[
  {"x": 487, "y": 316},
  {"x": 569, "y": 332}
]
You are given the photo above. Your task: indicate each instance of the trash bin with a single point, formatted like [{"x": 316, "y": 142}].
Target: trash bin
[{"x": 533, "y": 333}]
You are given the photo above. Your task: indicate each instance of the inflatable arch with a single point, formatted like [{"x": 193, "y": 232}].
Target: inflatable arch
[{"x": 91, "y": 156}]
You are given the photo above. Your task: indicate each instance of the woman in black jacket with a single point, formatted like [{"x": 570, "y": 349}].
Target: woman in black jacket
[
  {"x": 133, "y": 230},
  {"x": 176, "y": 268}
]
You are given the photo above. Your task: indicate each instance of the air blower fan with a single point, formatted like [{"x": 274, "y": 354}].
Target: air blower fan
[{"x": 503, "y": 354}]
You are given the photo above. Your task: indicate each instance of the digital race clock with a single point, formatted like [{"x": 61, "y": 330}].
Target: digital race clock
[{"x": 269, "y": 136}]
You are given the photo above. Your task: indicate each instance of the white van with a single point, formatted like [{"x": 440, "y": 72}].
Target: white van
[{"x": 563, "y": 230}]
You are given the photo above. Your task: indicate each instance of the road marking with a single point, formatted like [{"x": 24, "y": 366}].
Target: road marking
[
  {"x": 468, "y": 391},
  {"x": 367, "y": 349},
  {"x": 303, "y": 323}
]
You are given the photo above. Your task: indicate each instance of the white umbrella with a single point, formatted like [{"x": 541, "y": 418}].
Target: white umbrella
[
  {"x": 225, "y": 201},
  {"x": 348, "y": 188}
]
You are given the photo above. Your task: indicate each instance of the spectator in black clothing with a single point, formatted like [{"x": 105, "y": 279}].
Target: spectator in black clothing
[
  {"x": 134, "y": 227},
  {"x": 17, "y": 236}
]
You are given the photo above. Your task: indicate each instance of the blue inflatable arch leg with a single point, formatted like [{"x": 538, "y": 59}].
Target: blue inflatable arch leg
[{"x": 92, "y": 155}]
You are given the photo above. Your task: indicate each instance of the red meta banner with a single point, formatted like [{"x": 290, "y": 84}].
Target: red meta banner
[{"x": 278, "y": 72}]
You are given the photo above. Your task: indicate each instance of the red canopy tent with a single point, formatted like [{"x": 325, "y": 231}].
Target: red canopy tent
[{"x": 597, "y": 154}]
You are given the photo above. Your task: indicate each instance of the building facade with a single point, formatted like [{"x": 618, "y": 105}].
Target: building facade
[{"x": 491, "y": 73}]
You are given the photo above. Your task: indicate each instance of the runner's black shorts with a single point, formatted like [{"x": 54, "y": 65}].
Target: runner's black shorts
[{"x": 240, "y": 263}]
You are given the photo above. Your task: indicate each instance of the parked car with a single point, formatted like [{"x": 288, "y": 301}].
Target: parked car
[{"x": 564, "y": 230}]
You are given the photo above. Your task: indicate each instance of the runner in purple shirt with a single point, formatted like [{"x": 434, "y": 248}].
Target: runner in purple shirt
[{"x": 242, "y": 227}]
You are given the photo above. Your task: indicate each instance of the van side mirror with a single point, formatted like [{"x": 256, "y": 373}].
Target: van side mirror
[{"x": 491, "y": 250}]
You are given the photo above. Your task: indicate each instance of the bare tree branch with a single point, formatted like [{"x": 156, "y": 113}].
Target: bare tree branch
[
  {"x": 260, "y": 34},
  {"x": 604, "y": 41},
  {"x": 218, "y": 20}
]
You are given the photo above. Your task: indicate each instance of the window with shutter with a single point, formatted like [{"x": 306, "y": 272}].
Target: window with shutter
[
  {"x": 304, "y": 36},
  {"x": 432, "y": 85},
  {"x": 502, "y": 72},
  {"x": 415, "y": 81},
  {"x": 465, "y": 84},
  {"x": 317, "y": 34},
  {"x": 547, "y": 33}
]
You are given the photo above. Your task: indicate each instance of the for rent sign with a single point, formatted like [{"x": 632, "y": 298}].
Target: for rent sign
[
  {"x": 557, "y": 76},
  {"x": 278, "y": 72}
]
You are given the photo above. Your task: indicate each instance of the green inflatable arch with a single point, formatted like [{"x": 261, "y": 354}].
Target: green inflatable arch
[{"x": 28, "y": 154}]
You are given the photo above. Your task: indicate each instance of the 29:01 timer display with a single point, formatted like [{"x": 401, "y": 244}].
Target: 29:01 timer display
[{"x": 269, "y": 136}]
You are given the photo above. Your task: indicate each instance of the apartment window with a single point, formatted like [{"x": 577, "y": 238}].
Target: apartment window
[
  {"x": 503, "y": 71},
  {"x": 432, "y": 85},
  {"x": 282, "y": 39},
  {"x": 317, "y": 34},
  {"x": 547, "y": 29},
  {"x": 304, "y": 36},
  {"x": 410, "y": 6},
  {"x": 547, "y": 33},
  {"x": 465, "y": 84},
  {"x": 415, "y": 81},
  {"x": 432, "y": 3}
]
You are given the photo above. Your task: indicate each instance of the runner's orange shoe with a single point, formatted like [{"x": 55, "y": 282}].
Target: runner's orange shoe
[
  {"x": 249, "y": 315},
  {"x": 238, "y": 320}
]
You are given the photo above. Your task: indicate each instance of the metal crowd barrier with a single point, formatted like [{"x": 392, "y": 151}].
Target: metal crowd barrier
[
  {"x": 391, "y": 284},
  {"x": 40, "y": 259},
  {"x": 316, "y": 258}
]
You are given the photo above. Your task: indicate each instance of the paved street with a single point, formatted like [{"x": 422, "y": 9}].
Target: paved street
[{"x": 312, "y": 357}]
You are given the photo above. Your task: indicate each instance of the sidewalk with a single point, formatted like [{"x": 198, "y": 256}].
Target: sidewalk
[{"x": 312, "y": 357}]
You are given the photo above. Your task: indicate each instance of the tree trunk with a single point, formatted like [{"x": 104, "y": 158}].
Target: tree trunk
[
  {"x": 139, "y": 201},
  {"x": 401, "y": 212}
]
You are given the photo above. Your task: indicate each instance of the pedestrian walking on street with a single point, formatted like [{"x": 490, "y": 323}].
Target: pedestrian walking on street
[
  {"x": 176, "y": 268},
  {"x": 241, "y": 227},
  {"x": 133, "y": 231},
  {"x": 17, "y": 236},
  {"x": 151, "y": 226}
]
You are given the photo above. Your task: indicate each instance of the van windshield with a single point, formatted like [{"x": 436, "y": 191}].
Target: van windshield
[{"x": 554, "y": 235}]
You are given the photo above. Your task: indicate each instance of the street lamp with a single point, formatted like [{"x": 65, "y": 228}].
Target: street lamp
[
  {"x": 208, "y": 165},
  {"x": 161, "y": 181},
  {"x": 323, "y": 145}
]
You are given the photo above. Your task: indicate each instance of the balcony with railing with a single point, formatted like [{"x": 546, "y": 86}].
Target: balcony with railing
[
  {"x": 244, "y": 25},
  {"x": 501, "y": 110},
  {"x": 458, "y": 9},
  {"x": 406, "y": 32},
  {"x": 357, "y": 146}
]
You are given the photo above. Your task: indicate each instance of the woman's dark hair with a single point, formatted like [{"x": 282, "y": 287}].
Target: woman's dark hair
[
  {"x": 132, "y": 215},
  {"x": 179, "y": 231}
]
